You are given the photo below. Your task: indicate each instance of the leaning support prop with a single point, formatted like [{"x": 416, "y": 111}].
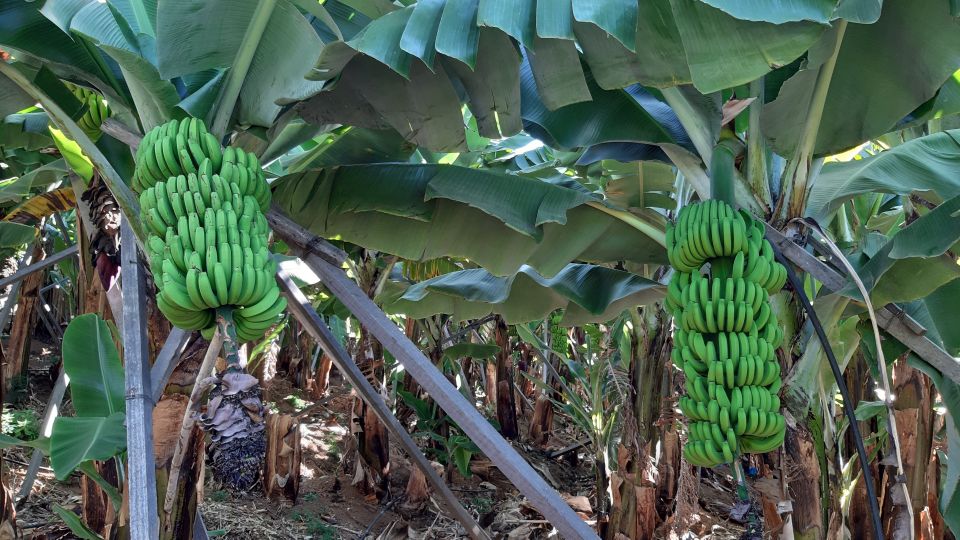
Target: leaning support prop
[{"x": 322, "y": 258}]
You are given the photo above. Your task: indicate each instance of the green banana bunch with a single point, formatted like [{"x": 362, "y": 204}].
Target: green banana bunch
[
  {"x": 726, "y": 334},
  {"x": 208, "y": 244},
  {"x": 97, "y": 110},
  {"x": 182, "y": 147},
  {"x": 559, "y": 339}
]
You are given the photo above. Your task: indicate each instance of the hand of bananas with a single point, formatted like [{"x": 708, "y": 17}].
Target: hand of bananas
[
  {"x": 208, "y": 242},
  {"x": 97, "y": 110},
  {"x": 726, "y": 335},
  {"x": 184, "y": 147}
]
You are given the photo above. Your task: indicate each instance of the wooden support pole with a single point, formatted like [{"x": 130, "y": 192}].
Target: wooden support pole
[
  {"x": 46, "y": 427},
  {"x": 10, "y": 299},
  {"x": 543, "y": 497},
  {"x": 36, "y": 267},
  {"x": 890, "y": 317},
  {"x": 303, "y": 311},
  {"x": 166, "y": 361},
  {"x": 141, "y": 463}
]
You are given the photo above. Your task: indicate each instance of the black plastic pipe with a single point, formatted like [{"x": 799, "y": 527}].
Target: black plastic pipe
[{"x": 848, "y": 407}]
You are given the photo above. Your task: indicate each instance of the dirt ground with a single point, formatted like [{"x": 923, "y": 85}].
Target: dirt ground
[{"x": 329, "y": 506}]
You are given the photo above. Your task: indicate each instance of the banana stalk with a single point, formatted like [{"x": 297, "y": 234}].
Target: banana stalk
[{"x": 234, "y": 417}]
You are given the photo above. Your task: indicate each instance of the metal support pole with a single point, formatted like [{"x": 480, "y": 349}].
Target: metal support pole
[{"x": 144, "y": 524}]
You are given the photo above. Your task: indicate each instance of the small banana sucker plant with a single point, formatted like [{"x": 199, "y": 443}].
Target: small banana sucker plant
[
  {"x": 96, "y": 433},
  {"x": 594, "y": 389}
]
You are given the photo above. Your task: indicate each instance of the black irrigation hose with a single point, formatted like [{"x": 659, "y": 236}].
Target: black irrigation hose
[{"x": 848, "y": 408}]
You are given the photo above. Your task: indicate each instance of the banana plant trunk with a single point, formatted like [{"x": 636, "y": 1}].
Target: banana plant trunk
[
  {"x": 637, "y": 491},
  {"x": 18, "y": 345},
  {"x": 506, "y": 404}
]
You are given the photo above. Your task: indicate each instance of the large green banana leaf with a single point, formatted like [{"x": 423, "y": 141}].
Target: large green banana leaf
[
  {"x": 17, "y": 189},
  {"x": 92, "y": 361},
  {"x": 499, "y": 221},
  {"x": 196, "y": 35},
  {"x": 924, "y": 164},
  {"x": 23, "y": 27},
  {"x": 723, "y": 51},
  {"x": 777, "y": 12},
  {"x": 15, "y": 234},
  {"x": 915, "y": 262},
  {"x": 153, "y": 96},
  {"x": 944, "y": 106},
  {"x": 28, "y": 131},
  {"x": 420, "y": 54},
  {"x": 586, "y": 293},
  {"x": 883, "y": 72},
  {"x": 12, "y": 97}
]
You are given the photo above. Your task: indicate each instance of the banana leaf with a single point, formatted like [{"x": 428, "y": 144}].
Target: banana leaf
[
  {"x": 923, "y": 164},
  {"x": 15, "y": 234},
  {"x": 77, "y": 439},
  {"x": 30, "y": 212},
  {"x": 92, "y": 362},
  {"x": 472, "y": 44},
  {"x": 497, "y": 220},
  {"x": 883, "y": 72},
  {"x": 197, "y": 35},
  {"x": 586, "y": 293}
]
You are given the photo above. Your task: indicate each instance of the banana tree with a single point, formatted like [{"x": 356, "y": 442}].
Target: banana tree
[{"x": 649, "y": 84}]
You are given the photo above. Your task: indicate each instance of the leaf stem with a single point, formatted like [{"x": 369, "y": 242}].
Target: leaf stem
[
  {"x": 693, "y": 122},
  {"x": 757, "y": 175},
  {"x": 241, "y": 65},
  {"x": 798, "y": 175},
  {"x": 656, "y": 234},
  {"x": 721, "y": 172},
  {"x": 231, "y": 345}
]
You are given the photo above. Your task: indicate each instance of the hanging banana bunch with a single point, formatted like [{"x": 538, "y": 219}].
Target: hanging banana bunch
[
  {"x": 726, "y": 334},
  {"x": 183, "y": 148},
  {"x": 208, "y": 252},
  {"x": 97, "y": 110},
  {"x": 208, "y": 247}
]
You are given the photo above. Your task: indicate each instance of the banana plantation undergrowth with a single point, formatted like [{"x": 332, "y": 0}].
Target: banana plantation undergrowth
[{"x": 481, "y": 269}]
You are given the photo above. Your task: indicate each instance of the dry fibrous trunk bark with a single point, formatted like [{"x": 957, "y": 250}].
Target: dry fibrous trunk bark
[
  {"x": 804, "y": 487},
  {"x": 281, "y": 472},
  {"x": 167, "y": 417},
  {"x": 490, "y": 384},
  {"x": 299, "y": 371},
  {"x": 321, "y": 378},
  {"x": 914, "y": 414},
  {"x": 638, "y": 477},
  {"x": 8, "y": 512},
  {"x": 178, "y": 524},
  {"x": 373, "y": 441},
  {"x": 859, "y": 384},
  {"x": 97, "y": 511},
  {"x": 932, "y": 525},
  {"x": 541, "y": 423},
  {"x": 417, "y": 492},
  {"x": 686, "y": 516},
  {"x": 18, "y": 346},
  {"x": 506, "y": 403}
]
